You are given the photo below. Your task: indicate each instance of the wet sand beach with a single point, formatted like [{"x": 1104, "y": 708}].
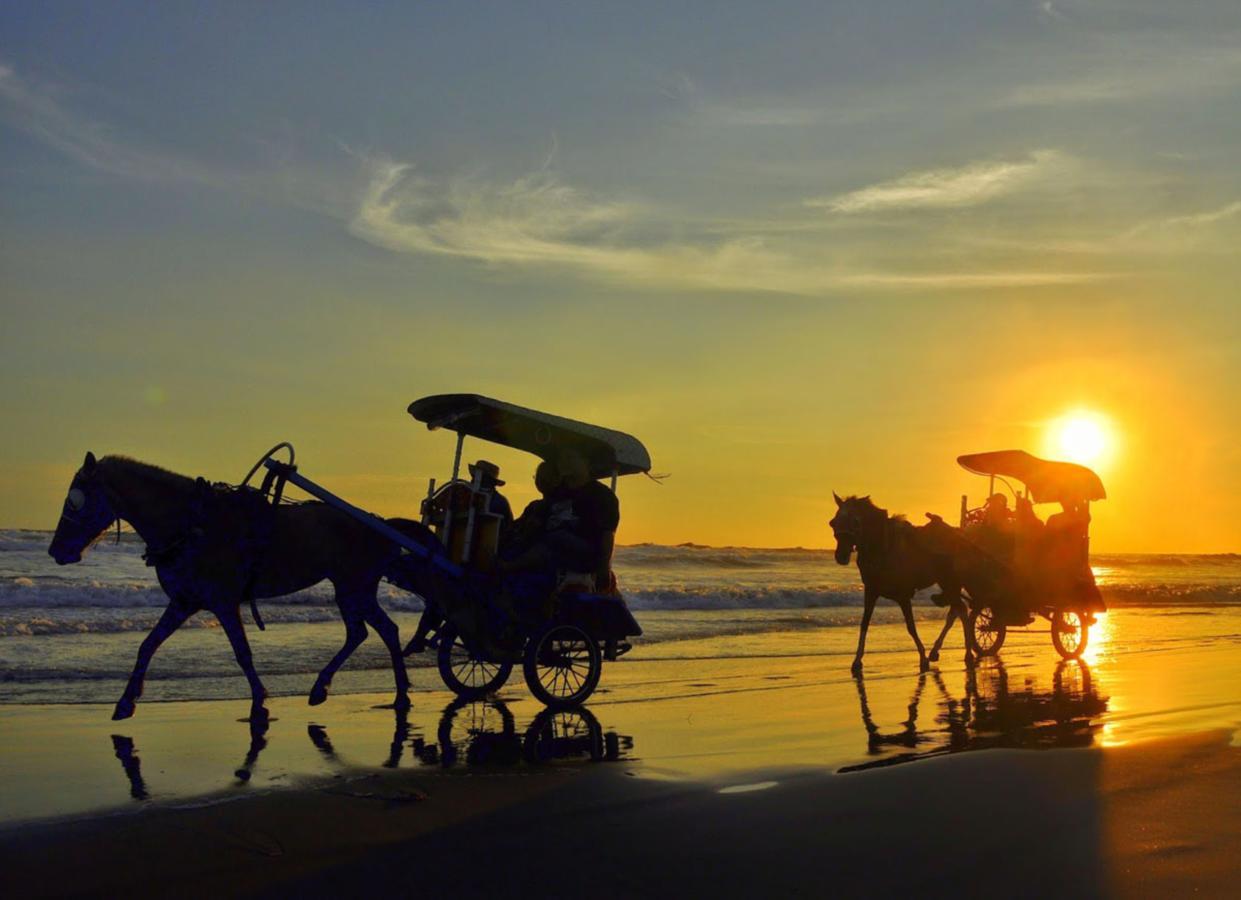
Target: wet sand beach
[{"x": 775, "y": 771}]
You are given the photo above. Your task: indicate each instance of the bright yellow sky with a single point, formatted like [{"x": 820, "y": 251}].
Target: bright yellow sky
[{"x": 794, "y": 250}]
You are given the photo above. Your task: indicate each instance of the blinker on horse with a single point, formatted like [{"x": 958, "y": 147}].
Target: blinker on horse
[{"x": 213, "y": 547}]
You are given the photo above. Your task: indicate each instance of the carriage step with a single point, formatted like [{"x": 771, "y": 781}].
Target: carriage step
[
  {"x": 612, "y": 650},
  {"x": 418, "y": 644}
]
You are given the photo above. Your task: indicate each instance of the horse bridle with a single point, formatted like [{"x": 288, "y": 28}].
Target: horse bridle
[{"x": 78, "y": 500}]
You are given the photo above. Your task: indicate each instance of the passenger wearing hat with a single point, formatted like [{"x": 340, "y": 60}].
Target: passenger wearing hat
[{"x": 486, "y": 475}]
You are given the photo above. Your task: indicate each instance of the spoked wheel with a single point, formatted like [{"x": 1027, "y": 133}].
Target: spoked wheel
[
  {"x": 483, "y": 731},
  {"x": 1069, "y": 632},
  {"x": 1072, "y": 680},
  {"x": 987, "y": 632},
  {"x": 563, "y": 734},
  {"x": 465, "y": 674},
  {"x": 562, "y": 666}
]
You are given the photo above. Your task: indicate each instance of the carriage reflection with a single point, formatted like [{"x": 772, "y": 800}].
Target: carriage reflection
[
  {"x": 992, "y": 712},
  {"x": 485, "y": 733},
  {"x": 467, "y": 734}
]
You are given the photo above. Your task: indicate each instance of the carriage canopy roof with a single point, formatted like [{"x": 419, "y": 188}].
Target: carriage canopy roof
[
  {"x": 540, "y": 433},
  {"x": 1049, "y": 481}
]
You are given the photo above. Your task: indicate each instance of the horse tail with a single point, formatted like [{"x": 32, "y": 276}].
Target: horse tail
[{"x": 254, "y": 610}]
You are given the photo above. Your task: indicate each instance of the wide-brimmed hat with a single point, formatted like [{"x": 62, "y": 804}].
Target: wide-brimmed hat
[{"x": 490, "y": 471}]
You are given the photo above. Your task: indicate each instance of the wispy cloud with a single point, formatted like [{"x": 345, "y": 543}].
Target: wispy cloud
[
  {"x": 35, "y": 110},
  {"x": 1134, "y": 69},
  {"x": 969, "y": 185},
  {"x": 1182, "y": 232},
  {"x": 974, "y": 280},
  {"x": 537, "y": 221}
]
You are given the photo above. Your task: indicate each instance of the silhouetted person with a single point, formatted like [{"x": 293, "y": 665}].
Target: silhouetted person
[
  {"x": 488, "y": 475},
  {"x": 528, "y": 528},
  {"x": 579, "y": 526}
]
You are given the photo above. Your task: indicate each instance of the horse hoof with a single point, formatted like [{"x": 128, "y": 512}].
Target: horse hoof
[
  {"x": 401, "y": 702},
  {"x": 259, "y": 714},
  {"x": 856, "y": 669},
  {"x": 124, "y": 709},
  {"x": 317, "y": 695},
  {"x": 924, "y": 666},
  {"x": 933, "y": 656}
]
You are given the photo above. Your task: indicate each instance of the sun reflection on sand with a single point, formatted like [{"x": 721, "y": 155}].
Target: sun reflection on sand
[{"x": 1099, "y": 645}]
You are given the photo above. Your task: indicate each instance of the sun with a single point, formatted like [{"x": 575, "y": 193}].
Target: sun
[{"x": 1082, "y": 436}]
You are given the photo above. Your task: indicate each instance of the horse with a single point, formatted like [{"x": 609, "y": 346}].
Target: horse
[
  {"x": 213, "y": 547},
  {"x": 896, "y": 559}
]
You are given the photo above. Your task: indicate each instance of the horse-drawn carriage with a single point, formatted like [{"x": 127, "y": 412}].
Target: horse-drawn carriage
[
  {"x": 477, "y": 626},
  {"x": 1036, "y": 568}
]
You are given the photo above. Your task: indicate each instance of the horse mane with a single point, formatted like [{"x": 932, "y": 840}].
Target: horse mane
[
  {"x": 127, "y": 464},
  {"x": 868, "y": 506}
]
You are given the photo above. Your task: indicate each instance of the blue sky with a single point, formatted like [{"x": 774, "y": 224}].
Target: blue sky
[{"x": 762, "y": 236}]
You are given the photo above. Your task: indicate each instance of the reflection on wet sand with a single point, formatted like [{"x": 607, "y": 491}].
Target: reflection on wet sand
[
  {"x": 131, "y": 765},
  {"x": 484, "y": 733},
  {"x": 990, "y": 714},
  {"x": 258, "y": 743},
  {"x": 468, "y": 733}
]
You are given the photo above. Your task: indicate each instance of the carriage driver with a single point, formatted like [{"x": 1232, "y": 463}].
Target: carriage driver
[{"x": 487, "y": 475}]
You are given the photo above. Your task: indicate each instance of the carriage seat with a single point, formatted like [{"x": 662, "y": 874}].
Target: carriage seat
[{"x": 601, "y": 581}]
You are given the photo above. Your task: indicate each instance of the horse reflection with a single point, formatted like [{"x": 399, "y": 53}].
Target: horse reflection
[
  {"x": 258, "y": 743},
  {"x": 908, "y": 736},
  {"x": 125, "y": 751},
  {"x": 396, "y": 747},
  {"x": 991, "y": 714},
  {"x": 123, "y": 747}
]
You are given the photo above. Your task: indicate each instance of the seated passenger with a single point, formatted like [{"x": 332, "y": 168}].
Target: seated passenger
[
  {"x": 529, "y": 527},
  {"x": 1065, "y": 536},
  {"x": 589, "y": 536},
  {"x": 1029, "y": 545},
  {"x": 579, "y": 526}
]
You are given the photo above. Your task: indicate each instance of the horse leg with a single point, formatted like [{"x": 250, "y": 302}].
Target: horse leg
[
  {"x": 963, "y": 614},
  {"x": 355, "y": 634},
  {"x": 390, "y": 635},
  {"x": 867, "y": 612},
  {"x": 949, "y": 621},
  {"x": 172, "y": 619},
  {"x": 908, "y": 611},
  {"x": 230, "y": 620}
]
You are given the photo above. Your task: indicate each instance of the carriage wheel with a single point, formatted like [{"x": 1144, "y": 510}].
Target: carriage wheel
[
  {"x": 987, "y": 632},
  {"x": 1069, "y": 632},
  {"x": 466, "y": 675},
  {"x": 564, "y": 733},
  {"x": 467, "y": 724},
  {"x": 562, "y": 666}
]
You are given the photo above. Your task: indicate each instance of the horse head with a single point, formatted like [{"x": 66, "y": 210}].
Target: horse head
[
  {"x": 854, "y": 516},
  {"x": 86, "y": 515}
]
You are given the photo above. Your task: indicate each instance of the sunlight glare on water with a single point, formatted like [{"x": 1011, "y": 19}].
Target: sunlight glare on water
[{"x": 1099, "y": 641}]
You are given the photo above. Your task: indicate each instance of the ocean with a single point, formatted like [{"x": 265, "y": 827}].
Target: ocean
[{"x": 69, "y": 633}]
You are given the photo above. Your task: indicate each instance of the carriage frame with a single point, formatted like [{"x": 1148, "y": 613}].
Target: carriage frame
[
  {"x": 562, "y": 651},
  {"x": 1061, "y": 590}
]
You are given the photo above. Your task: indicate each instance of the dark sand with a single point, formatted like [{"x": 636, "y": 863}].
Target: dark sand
[{"x": 765, "y": 776}]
